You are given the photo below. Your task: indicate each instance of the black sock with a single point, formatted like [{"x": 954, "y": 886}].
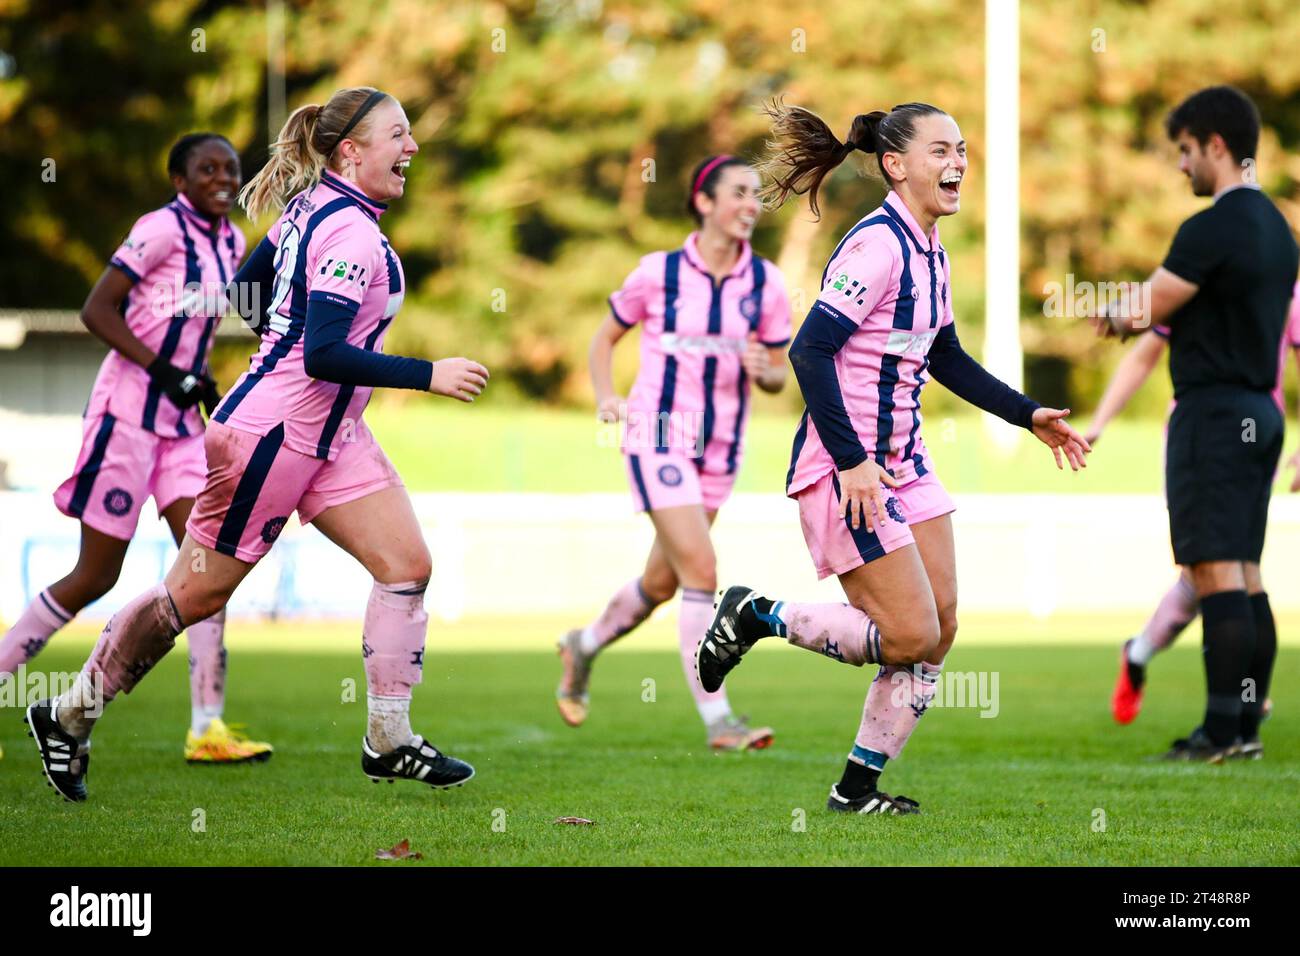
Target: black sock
[
  {"x": 1228, "y": 648},
  {"x": 1137, "y": 673},
  {"x": 758, "y": 620},
  {"x": 1261, "y": 665},
  {"x": 857, "y": 781}
]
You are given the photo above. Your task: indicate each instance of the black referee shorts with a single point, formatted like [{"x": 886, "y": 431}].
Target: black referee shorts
[{"x": 1220, "y": 461}]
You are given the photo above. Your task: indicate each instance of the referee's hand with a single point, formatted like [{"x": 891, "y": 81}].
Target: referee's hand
[{"x": 1051, "y": 428}]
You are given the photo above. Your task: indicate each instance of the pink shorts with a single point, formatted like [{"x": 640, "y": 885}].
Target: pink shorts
[
  {"x": 836, "y": 548},
  {"x": 670, "y": 481},
  {"x": 254, "y": 483},
  {"x": 120, "y": 465}
]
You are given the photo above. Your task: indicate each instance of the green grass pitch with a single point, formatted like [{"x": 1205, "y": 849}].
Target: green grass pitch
[{"x": 1028, "y": 786}]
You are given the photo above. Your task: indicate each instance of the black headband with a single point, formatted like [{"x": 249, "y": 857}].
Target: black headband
[{"x": 365, "y": 108}]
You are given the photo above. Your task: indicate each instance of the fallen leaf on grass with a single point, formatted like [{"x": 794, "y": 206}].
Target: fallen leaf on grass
[
  {"x": 400, "y": 852},
  {"x": 576, "y": 821}
]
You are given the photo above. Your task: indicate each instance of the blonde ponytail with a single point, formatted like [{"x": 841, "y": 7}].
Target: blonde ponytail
[
  {"x": 294, "y": 165},
  {"x": 303, "y": 149}
]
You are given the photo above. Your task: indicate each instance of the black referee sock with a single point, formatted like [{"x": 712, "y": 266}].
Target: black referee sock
[
  {"x": 1228, "y": 649},
  {"x": 1261, "y": 665}
]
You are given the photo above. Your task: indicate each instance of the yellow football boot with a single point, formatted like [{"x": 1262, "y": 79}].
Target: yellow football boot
[{"x": 222, "y": 743}]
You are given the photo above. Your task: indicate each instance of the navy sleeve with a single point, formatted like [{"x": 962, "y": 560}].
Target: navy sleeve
[
  {"x": 953, "y": 368},
  {"x": 328, "y": 356},
  {"x": 812, "y": 356},
  {"x": 249, "y": 292}
]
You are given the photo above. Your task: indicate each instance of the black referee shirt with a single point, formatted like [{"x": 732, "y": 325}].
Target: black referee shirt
[{"x": 1241, "y": 253}]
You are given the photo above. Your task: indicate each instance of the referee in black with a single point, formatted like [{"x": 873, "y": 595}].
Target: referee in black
[{"x": 1224, "y": 291}]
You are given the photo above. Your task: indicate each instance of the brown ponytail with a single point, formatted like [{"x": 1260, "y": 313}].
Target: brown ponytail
[
  {"x": 803, "y": 151},
  {"x": 304, "y": 148}
]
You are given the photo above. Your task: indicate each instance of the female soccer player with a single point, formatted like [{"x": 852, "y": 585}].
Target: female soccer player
[
  {"x": 1180, "y": 604},
  {"x": 323, "y": 286},
  {"x": 156, "y": 307},
  {"x": 715, "y": 315},
  {"x": 873, "y": 510}
]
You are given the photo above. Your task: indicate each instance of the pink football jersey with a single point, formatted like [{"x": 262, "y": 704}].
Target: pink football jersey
[
  {"x": 179, "y": 262},
  {"x": 890, "y": 284},
  {"x": 691, "y": 394},
  {"x": 328, "y": 244}
]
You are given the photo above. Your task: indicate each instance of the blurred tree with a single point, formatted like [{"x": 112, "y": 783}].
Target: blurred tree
[{"x": 557, "y": 136}]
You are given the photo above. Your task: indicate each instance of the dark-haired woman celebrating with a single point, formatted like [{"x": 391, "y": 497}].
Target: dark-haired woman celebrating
[
  {"x": 322, "y": 289},
  {"x": 156, "y": 307},
  {"x": 872, "y": 508},
  {"x": 714, "y": 317}
]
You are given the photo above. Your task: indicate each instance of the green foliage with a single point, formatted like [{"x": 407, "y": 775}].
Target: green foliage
[{"x": 533, "y": 194}]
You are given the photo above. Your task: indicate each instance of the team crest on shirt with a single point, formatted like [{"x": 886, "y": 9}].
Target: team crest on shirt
[
  {"x": 894, "y": 510},
  {"x": 749, "y": 306},
  {"x": 117, "y": 501},
  {"x": 271, "y": 530},
  {"x": 670, "y": 475}
]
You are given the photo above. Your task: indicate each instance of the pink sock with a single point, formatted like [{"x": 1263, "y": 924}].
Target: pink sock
[
  {"x": 133, "y": 641},
  {"x": 208, "y": 666},
  {"x": 392, "y": 642},
  {"x": 898, "y": 698},
  {"x": 626, "y": 609},
  {"x": 25, "y": 639},
  {"x": 839, "y": 631},
  {"x": 693, "y": 620},
  {"x": 1176, "y": 610}
]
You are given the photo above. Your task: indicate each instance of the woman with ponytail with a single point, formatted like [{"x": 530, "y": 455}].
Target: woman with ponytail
[
  {"x": 872, "y": 507},
  {"x": 714, "y": 316},
  {"x": 322, "y": 289},
  {"x": 156, "y": 306}
]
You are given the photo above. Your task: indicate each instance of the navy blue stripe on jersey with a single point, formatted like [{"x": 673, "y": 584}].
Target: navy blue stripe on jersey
[
  {"x": 800, "y": 437},
  {"x": 90, "y": 470},
  {"x": 710, "y": 411},
  {"x": 635, "y": 462},
  {"x": 812, "y": 356},
  {"x": 916, "y": 418},
  {"x": 866, "y": 541},
  {"x": 885, "y": 413},
  {"x": 759, "y": 272},
  {"x": 297, "y": 313},
  {"x": 344, "y": 397},
  {"x": 672, "y": 276},
  {"x": 394, "y": 274},
  {"x": 905, "y": 304},
  {"x": 248, "y": 490}
]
